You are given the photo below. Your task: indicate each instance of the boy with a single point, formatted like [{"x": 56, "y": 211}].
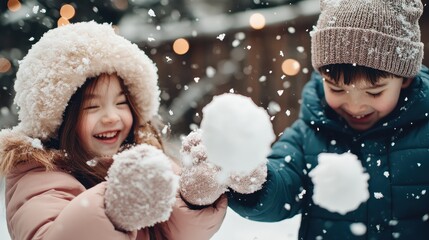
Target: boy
[{"x": 369, "y": 98}]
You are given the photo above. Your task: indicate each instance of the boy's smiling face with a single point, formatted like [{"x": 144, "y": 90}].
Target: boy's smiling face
[{"x": 362, "y": 104}]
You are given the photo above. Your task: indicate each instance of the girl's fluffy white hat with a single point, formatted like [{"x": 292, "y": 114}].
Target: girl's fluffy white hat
[{"x": 61, "y": 61}]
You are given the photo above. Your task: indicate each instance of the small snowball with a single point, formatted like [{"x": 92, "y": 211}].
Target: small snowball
[
  {"x": 358, "y": 229},
  {"x": 92, "y": 163},
  {"x": 340, "y": 184},
  {"x": 378, "y": 195},
  {"x": 221, "y": 36},
  {"x": 237, "y": 133},
  {"x": 151, "y": 13},
  {"x": 36, "y": 143}
]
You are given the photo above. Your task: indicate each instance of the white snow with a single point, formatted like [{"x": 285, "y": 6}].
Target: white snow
[
  {"x": 235, "y": 227},
  {"x": 340, "y": 184},
  {"x": 4, "y": 234},
  {"x": 151, "y": 13},
  {"x": 237, "y": 134},
  {"x": 36, "y": 143},
  {"x": 358, "y": 229}
]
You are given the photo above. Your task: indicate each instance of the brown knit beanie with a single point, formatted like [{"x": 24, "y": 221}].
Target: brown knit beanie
[{"x": 380, "y": 34}]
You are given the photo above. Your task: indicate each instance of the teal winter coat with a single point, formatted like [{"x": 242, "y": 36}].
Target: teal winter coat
[{"x": 394, "y": 152}]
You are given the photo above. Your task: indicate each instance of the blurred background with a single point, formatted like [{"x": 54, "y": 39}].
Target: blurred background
[
  {"x": 202, "y": 48},
  {"x": 257, "y": 48}
]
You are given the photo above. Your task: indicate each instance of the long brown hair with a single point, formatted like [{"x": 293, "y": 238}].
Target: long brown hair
[{"x": 76, "y": 160}]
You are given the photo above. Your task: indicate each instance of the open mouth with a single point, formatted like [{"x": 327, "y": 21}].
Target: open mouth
[
  {"x": 360, "y": 118},
  {"x": 107, "y": 136}
]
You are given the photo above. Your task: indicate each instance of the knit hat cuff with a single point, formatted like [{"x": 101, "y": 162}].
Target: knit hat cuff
[{"x": 368, "y": 48}]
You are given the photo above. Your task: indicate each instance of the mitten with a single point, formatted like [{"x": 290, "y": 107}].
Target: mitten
[
  {"x": 249, "y": 183},
  {"x": 198, "y": 184},
  {"x": 232, "y": 148},
  {"x": 141, "y": 188}
]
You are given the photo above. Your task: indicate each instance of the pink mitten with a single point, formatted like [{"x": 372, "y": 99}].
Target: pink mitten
[
  {"x": 249, "y": 183},
  {"x": 198, "y": 184},
  {"x": 141, "y": 188}
]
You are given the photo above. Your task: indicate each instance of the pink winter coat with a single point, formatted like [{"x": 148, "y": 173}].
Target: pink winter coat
[{"x": 53, "y": 205}]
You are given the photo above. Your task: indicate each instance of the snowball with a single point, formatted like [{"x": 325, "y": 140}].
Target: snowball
[
  {"x": 151, "y": 13},
  {"x": 237, "y": 134},
  {"x": 340, "y": 184},
  {"x": 358, "y": 229},
  {"x": 36, "y": 143}
]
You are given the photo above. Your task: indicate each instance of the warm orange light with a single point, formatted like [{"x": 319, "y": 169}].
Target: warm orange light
[
  {"x": 291, "y": 67},
  {"x": 62, "y": 21},
  {"x": 257, "y": 21},
  {"x": 120, "y": 4},
  {"x": 67, "y": 11},
  {"x": 181, "y": 46},
  {"x": 5, "y": 65},
  {"x": 13, "y": 5}
]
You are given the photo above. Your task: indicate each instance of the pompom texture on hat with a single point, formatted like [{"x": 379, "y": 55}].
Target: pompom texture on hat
[
  {"x": 61, "y": 61},
  {"x": 380, "y": 34}
]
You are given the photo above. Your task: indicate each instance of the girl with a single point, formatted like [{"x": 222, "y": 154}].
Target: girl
[{"x": 86, "y": 98}]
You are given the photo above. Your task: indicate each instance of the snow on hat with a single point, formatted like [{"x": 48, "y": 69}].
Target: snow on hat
[
  {"x": 62, "y": 60},
  {"x": 380, "y": 34}
]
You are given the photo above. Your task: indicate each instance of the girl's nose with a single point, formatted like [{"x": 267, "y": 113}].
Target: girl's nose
[{"x": 110, "y": 116}]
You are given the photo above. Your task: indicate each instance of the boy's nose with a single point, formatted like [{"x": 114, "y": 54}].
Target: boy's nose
[{"x": 355, "y": 104}]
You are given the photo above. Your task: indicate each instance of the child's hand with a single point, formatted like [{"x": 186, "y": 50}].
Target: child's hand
[
  {"x": 141, "y": 188},
  {"x": 202, "y": 182},
  {"x": 249, "y": 183},
  {"x": 198, "y": 184}
]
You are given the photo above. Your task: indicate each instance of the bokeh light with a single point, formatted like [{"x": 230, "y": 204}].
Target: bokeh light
[
  {"x": 291, "y": 67},
  {"x": 181, "y": 46},
  {"x": 120, "y": 4},
  {"x": 5, "y": 65},
  {"x": 67, "y": 11},
  {"x": 62, "y": 21},
  {"x": 257, "y": 21},
  {"x": 13, "y": 5}
]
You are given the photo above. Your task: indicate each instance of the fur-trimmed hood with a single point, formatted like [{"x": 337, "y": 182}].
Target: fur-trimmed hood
[
  {"x": 63, "y": 59},
  {"x": 16, "y": 147}
]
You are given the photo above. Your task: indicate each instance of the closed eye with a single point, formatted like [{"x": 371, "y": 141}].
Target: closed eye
[
  {"x": 374, "y": 94},
  {"x": 336, "y": 90},
  {"x": 122, "y": 103},
  {"x": 90, "y": 107}
]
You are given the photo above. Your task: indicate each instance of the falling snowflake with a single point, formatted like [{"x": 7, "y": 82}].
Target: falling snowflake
[
  {"x": 221, "y": 36},
  {"x": 151, "y": 13}
]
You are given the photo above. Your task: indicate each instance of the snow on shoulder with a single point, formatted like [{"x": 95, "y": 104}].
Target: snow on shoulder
[
  {"x": 340, "y": 184},
  {"x": 237, "y": 134}
]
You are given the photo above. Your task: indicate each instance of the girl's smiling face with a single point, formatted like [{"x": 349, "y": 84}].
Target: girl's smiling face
[
  {"x": 106, "y": 119},
  {"x": 363, "y": 104}
]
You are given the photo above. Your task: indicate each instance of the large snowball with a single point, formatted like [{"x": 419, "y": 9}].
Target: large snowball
[
  {"x": 237, "y": 134},
  {"x": 340, "y": 184}
]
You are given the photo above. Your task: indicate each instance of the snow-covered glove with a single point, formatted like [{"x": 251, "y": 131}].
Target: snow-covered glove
[
  {"x": 141, "y": 188},
  {"x": 198, "y": 184},
  {"x": 249, "y": 183},
  {"x": 234, "y": 141},
  {"x": 201, "y": 182}
]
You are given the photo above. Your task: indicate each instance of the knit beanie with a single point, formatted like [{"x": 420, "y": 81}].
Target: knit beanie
[
  {"x": 63, "y": 59},
  {"x": 380, "y": 34}
]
